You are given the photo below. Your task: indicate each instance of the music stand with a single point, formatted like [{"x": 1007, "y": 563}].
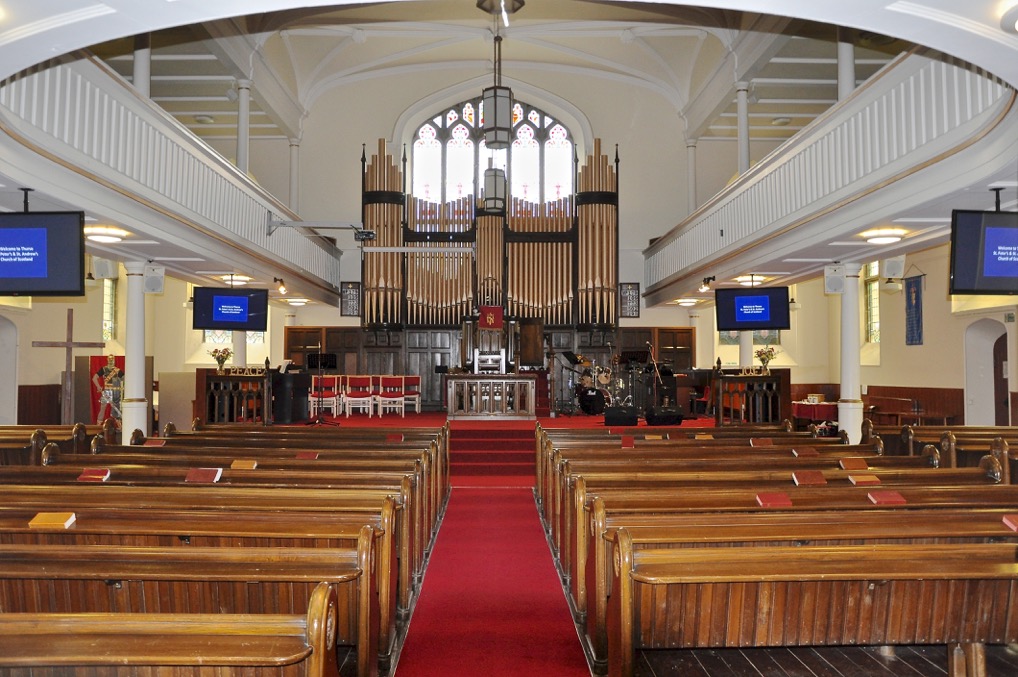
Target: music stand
[{"x": 321, "y": 362}]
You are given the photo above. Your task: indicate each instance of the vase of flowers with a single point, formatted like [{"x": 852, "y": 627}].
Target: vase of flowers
[
  {"x": 765, "y": 355},
  {"x": 221, "y": 355}
]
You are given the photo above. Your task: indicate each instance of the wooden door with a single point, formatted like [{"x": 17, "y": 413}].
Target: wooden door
[{"x": 1000, "y": 389}]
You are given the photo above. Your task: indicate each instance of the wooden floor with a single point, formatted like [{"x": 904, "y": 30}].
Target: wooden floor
[{"x": 916, "y": 661}]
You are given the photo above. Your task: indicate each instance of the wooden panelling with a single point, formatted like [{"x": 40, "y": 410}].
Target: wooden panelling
[{"x": 39, "y": 405}]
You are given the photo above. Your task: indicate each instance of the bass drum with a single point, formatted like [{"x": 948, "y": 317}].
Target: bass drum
[{"x": 593, "y": 402}]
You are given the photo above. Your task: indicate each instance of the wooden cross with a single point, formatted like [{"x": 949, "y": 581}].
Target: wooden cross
[{"x": 69, "y": 345}]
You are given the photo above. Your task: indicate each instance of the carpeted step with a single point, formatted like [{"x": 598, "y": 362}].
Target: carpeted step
[
  {"x": 492, "y": 456},
  {"x": 508, "y": 469},
  {"x": 491, "y": 442}
]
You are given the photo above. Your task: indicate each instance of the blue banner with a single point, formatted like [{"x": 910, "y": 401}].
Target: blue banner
[{"x": 914, "y": 311}]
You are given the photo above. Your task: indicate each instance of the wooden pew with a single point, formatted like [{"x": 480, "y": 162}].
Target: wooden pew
[
  {"x": 229, "y": 502},
  {"x": 326, "y": 468},
  {"x": 578, "y": 526},
  {"x": 199, "y": 645},
  {"x": 116, "y": 526},
  {"x": 767, "y": 529},
  {"x": 551, "y": 487},
  {"x": 960, "y": 595},
  {"x": 115, "y": 579},
  {"x": 438, "y": 465},
  {"x": 22, "y": 444},
  {"x": 554, "y": 450}
]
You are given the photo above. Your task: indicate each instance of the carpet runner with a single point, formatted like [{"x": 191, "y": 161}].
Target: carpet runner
[{"x": 491, "y": 602}]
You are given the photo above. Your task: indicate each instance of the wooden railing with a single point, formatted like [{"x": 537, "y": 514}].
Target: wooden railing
[{"x": 491, "y": 396}]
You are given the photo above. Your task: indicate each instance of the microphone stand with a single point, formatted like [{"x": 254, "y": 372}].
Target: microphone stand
[
  {"x": 657, "y": 373},
  {"x": 319, "y": 417}
]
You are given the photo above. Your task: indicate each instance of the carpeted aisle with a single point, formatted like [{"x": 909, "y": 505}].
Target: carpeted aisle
[{"x": 491, "y": 603}]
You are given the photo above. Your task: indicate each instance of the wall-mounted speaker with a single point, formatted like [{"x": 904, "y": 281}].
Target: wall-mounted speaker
[
  {"x": 154, "y": 279},
  {"x": 834, "y": 279},
  {"x": 104, "y": 269},
  {"x": 894, "y": 268}
]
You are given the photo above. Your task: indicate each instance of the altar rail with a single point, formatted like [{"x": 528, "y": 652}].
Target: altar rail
[{"x": 491, "y": 396}]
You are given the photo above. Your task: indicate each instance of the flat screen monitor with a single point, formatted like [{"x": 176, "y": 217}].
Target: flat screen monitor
[
  {"x": 231, "y": 309},
  {"x": 42, "y": 254},
  {"x": 984, "y": 252},
  {"x": 752, "y": 308}
]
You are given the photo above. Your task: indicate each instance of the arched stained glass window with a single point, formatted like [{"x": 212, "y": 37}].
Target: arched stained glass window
[{"x": 449, "y": 155}]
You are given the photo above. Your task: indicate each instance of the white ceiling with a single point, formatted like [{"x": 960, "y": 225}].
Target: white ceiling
[{"x": 689, "y": 55}]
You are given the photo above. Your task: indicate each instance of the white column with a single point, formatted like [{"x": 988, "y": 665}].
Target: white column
[
  {"x": 742, "y": 115},
  {"x": 745, "y": 349},
  {"x": 850, "y": 404},
  {"x": 294, "y": 202},
  {"x": 691, "y": 174},
  {"x": 243, "y": 124},
  {"x": 846, "y": 65},
  {"x": 142, "y": 74},
  {"x": 239, "y": 348},
  {"x": 134, "y": 406}
]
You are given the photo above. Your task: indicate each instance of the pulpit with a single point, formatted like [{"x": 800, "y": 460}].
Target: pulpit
[{"x": 238, "y": 395}]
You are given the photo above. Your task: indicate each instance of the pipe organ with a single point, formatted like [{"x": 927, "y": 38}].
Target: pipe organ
[{"x": 556, "y": 261}]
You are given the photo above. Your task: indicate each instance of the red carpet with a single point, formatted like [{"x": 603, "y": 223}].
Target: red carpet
[{"x": 491, "y": 603}]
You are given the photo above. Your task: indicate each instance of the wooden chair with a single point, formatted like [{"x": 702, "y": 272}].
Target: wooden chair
[
  {"x": 328, "y": 397},
  {"x": 358, "y": 395},
  {"x": 412, "y": 392},
  {"x": 390, "y": 395},
  {"x": 704, "y": 399}
]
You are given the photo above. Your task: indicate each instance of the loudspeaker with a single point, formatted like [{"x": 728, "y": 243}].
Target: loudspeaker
[
  {"x": 103, "y": 269},
  {"x": 621, "y": 416},
  {"x": 663, "y": 416},
  {"x": 834, "y": 279},
  {"x": 894, "y": 267},
  {"x": 154, "y": 279}
]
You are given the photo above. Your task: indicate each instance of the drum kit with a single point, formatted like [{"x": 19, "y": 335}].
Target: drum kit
[{"x": 601, "y": 386}]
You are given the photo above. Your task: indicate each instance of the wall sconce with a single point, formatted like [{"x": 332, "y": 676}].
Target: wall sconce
[
  {"x": 794, "y": 305},
  {"x": 705, "y": 285},
  {"x": 282, "y": 287},
  {"x": 891, "y": 286}
]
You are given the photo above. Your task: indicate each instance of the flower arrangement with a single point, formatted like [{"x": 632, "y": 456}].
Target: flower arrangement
[
  {"x": 765, "y": 355},
  {"x": 221, "y": 355}
]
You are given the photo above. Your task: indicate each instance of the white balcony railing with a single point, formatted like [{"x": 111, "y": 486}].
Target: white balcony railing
[
  {"x": 81, "y": 115},
  {"x": 914, "y": 111}
]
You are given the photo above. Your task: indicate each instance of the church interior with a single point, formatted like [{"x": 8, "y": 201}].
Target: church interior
[{"x": 525, "y": 300}]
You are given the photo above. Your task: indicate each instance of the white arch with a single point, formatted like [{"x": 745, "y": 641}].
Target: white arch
[
  {"x": 8, "y": 372},
  {"x": 569, "y": 115},
  {"x": 979, "y": 339},
  {"x": 969, "y": 30}
]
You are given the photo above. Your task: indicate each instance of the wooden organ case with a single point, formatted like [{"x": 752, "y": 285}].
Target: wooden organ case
[{"x": 435, "y": 265}]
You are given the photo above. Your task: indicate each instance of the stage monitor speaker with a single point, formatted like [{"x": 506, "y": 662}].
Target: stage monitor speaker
[
  {"x": 154, "y": 276},
  {"x": 627, "y": 416},
  {"x": 104, "y": 269},
  {"x": 663, "y": 416},
  {"x": 834, "y": 279}
]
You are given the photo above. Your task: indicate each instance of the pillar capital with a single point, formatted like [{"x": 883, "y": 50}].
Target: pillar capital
[{"x": 135, "y": 267}]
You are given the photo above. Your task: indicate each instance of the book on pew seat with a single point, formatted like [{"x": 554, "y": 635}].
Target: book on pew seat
[
  {"x": 761, "y": 442},
  {"x": 52, "y": 520},
  {"x": 244, "y": 464},
  {"x": 886, "y": 497},
  {"x": 94, "y": 475},
  {"x": 394, "y": 437},
  {"x": 654, "y": 437},
  {"x": 808, "y": 478},
  {"x": 1011, "y": 521},
  {"x": 203, "y": 475},
  {"x": 863, "y": 480},
  {"x": 703, "y": 436},
  {"x": 805, "y": 451},
  {"x": 853, "y": 464},
  {"x": 774, "y": 499},
  {"x": 307, "y": 455},
  {"x": 154, "y": 443},
  {"x": 628, "y": 442}
]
